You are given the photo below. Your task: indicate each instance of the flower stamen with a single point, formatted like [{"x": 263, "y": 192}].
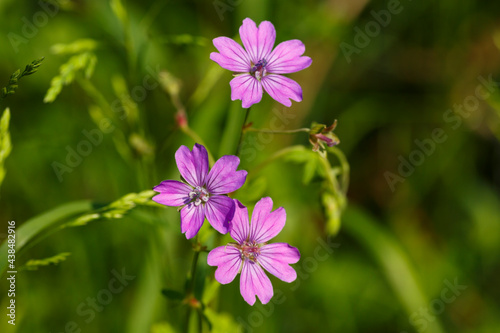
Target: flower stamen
[
  {"x": 199, "y": 195},
  {"x": 259, "y": 69},
  {"x": 249, "y": 250}
]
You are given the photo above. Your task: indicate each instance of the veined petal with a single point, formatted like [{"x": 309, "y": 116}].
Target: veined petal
[
  {"x": 286, "y": 58},
  {"x": 253, "y": 281},
  {"x": 228, "y": 260},
  {"x": 246, "y": 88},
  {"x": 219, "y": 211},
  {"x": 193, "y": 166},
  {"x": 266, "y": 224},
  {"x": 240, "y": 226},
  {"x": 223, "y": 178},
  {"x": 276, "y": 257},
  {"x": 259, "y": 41},
  {"x": 192, "y": 218},
  {"x": 172, "y": 193},
  {"x": 232, "y": 56},
  {"x": 282, "y": 89}
]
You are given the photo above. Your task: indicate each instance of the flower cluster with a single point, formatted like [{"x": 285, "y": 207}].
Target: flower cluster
[{"x": 203, "y": 193}]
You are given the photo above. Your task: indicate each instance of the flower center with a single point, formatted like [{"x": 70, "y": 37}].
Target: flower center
[
  {"x": 199, "y": 195},
  {"x": 249, "y": 250},
  {"x": 259, "y": 69}
]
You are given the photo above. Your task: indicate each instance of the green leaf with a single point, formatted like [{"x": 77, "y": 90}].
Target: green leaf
[
  {"x": 5, "y": 142},
  {"x": 34, "y": 264},
  {"x": 41, "y": 223}
]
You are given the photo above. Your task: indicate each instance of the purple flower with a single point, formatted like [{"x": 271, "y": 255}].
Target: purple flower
[
  {"x": 258, "y": 65},
  {"x": 202, "y": 193},
  {"x": 251, "y": 253}
]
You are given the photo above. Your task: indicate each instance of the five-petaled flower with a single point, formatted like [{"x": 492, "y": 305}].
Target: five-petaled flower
[
  {"x": 258, "y": 65},
  {"x": 202, "y": 193},
  {"x": 251, "y": 253}
]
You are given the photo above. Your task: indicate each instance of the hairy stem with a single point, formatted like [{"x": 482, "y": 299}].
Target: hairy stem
[
  {"x": 194, "y": 264},
  {"x": 298, "y": 130}
]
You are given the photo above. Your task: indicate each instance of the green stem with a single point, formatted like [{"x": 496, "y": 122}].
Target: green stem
[
  {"x": 242, "y": 132},
  {"x": 344, "y": 165},
  {"x": 192, "y": 281},
  {"x": 194, "y": 264},
  {"x": 335, "y": 189},
  {"x": 298, "y": 130}
]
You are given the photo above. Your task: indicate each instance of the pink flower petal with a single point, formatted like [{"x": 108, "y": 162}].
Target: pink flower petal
[
  {"x": 172, "y": 193},
  {"x": 193, "y": 166},
  {"x": 275, "y": 259},
  {"x": 223, "y": 178},
  {"x": 232, "y": 56},
  {"x": 259, "y": 41},
  {"x": 192, "y": 218},
  {"x": 253, "y": 281},
  {"x": 266, "y": 224},
  {"x": 219, "y": 211},
  {"x": 282, "y": 89},
  {"x": 228, "y": 260},
  {"x": 240, "y": 226},
  {"x": 246, "y": 88},
  {"x": 286, "y": 58}
]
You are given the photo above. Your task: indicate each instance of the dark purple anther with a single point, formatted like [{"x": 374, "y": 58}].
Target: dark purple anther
[{"x": 259, "y": 69}]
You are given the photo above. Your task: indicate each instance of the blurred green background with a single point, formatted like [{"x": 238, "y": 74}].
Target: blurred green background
[{"x": 406, "y": 235}]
